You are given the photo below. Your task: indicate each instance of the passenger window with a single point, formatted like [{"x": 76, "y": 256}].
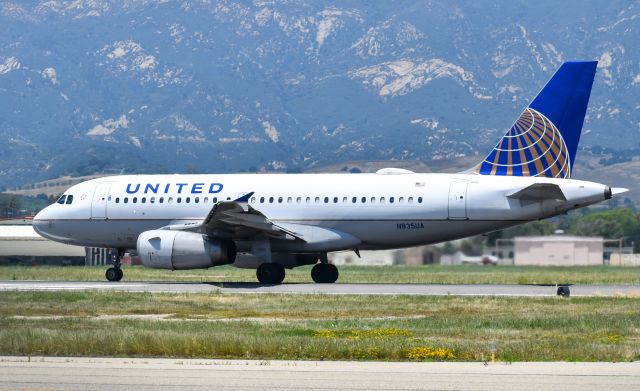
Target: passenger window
[
  {"x": 317, "y": 200},
  {"x": 117, "y": 200},
  {"x": 253, "y": 200},
  {"x": 419, "y": 200},
  {"x": 289, "y": 199},
  {"x": 391, "y": 199},
  {"x": 279, "y": 200},
  {"x": 299, "y": 200},
  {"x": 196, "y": 200},
  {"x": 382, "y": 200},
  {"x": 215, "y": 200},
  {"x": 187, "y": 200},
  {"x": 206, "y": 200},
  {"x": 69, "y": 199},
  {"x": 326, "y": 200},
  {"x": 135, "y": 200},
  {"x": 364, "y": 200},
  {"x": 335, "y": 200},
  {"x": 308, "y": 199},
  {"x": 179, "y": 200},
  {"x": 400, "y": 200},
  {"x": 126, "y": 200},
  {"x": 344, "y": 200},
  {"x": 143, "y": 200},
  {"x": 62, "y": 199},
  {"x": 161, "y": 200},
  {"x": 262, "y": 200},
  {"x": 169, "y": 200},
  {"x": 354, "y": 199},
  {"x": 152, "y": 200},
  {"x": 373, "y": 200},
  {"x": 410, "y": 200}
]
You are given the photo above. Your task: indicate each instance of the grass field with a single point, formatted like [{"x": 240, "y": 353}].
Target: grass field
[
  {"x": 434, "y": 274},
  {"x": 318, "y": 327}
]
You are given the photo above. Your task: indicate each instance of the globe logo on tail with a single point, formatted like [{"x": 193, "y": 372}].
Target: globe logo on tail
[{"x": 532, "y": 147}]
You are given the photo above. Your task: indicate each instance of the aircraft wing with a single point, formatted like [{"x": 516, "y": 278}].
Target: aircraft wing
[
  {"x": 237, "y": 220},
  {"x": 539, "y": 192}
]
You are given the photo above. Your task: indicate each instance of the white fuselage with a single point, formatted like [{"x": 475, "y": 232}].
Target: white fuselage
[{"x": 379, "y": 211}]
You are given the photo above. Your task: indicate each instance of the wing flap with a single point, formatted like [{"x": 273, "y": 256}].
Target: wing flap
[{"x": 237, "y": 220}]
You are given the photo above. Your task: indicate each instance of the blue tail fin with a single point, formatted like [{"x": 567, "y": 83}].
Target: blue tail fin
[{"x": 544, "y": 140}]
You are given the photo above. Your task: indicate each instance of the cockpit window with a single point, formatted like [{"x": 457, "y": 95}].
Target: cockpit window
[
  {"x": 62, "y": 199},
  {"x": 69, "y": 199}
]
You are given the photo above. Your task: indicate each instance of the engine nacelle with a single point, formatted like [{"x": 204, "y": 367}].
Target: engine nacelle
[{"x": 165, "y": 249}]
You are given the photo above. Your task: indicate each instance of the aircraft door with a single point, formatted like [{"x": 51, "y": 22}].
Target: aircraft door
[
  {"x": 458, "y": 200},
  {"x": 99, "y": 201}
]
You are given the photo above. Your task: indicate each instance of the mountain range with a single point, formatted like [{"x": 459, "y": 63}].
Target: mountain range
[{"x": 225, "y": 86}]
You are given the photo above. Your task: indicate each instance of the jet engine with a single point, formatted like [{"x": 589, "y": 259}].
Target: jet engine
[{"x": 165, "y": 249}]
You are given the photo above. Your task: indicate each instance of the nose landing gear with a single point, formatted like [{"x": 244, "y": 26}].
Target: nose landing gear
[{"x": 115, "y": 273}]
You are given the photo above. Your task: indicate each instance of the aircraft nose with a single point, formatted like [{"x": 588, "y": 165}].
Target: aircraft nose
[{"x": 42, "y": 222}]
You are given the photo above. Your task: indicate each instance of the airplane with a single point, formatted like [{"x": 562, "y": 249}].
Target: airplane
[{"x": 270, "y": 222}]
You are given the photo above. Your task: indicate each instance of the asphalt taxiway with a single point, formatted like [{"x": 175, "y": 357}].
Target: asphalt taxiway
[
  {"x": 114, "y": 374},
  {"x": 329, "y": 289}
]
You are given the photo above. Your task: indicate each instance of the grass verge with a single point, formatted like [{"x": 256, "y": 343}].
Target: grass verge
[
  {"x": 318, "y": 327},
  {"x": 434, "y": 274}
]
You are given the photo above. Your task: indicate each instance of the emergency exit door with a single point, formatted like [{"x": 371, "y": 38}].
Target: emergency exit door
[
  {"x": 99, "y": 202},
  {"x": 458, "y": 200}
]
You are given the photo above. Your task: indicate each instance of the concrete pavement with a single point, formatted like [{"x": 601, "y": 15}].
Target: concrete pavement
[
  {"x": 114, "y": 374},
  {"x": 329, "y": 289}
]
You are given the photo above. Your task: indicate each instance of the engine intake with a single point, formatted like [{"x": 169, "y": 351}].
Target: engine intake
[{"x": 179, "y": 250}]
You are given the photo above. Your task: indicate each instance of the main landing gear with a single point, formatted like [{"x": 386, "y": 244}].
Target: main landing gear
[
  {"x": 324, "y": 272},
  {"x": 321, "y": 273},
  {"x": 115, "y": 273},
  {"x": 270, "y": 273}
]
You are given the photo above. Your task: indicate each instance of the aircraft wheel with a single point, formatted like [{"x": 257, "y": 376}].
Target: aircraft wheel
[
  {"x": 114, "y": 274},
  {"x": 564, "y": 291},
  {"x": 270, "y": 273},
  {"x": 324, "y": 273}
]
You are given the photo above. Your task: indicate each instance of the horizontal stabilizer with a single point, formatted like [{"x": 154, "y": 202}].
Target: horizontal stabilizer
[{"x": 539, "y": 192}]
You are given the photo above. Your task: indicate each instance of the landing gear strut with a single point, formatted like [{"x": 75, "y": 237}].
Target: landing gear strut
[
  {"x": 324, "y": 272},
  {"x": 115, "y": 273},
  {"x": 270, "y": 273}
]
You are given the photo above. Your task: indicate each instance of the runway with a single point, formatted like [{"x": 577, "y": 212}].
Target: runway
[
  {"x": 113, "y": 374},
  {"x": 328, "y": 289}
]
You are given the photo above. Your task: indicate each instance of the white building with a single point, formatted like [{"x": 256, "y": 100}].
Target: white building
[
  {"x": 22, "y": 242},
  {"x": 620, "y": 259},
  {"x": 558, "y": 250},
  {"x": 412, "y": 256},
  {"x": 368, "y": 258}
]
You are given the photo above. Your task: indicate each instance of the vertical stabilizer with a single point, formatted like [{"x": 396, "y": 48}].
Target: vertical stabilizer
[{"x": 544, "y": 140}]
